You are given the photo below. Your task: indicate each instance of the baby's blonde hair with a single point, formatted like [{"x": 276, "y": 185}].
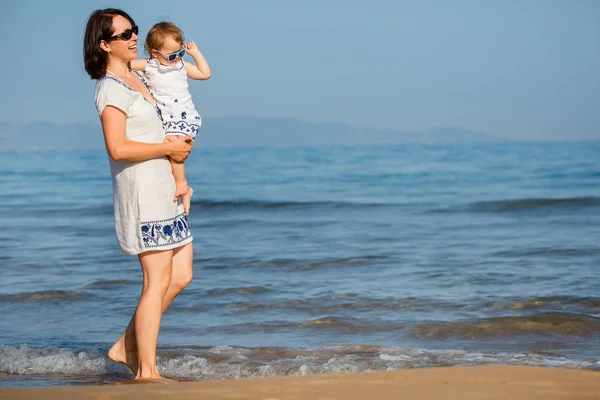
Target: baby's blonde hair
[{"x": 155, "y": 39}]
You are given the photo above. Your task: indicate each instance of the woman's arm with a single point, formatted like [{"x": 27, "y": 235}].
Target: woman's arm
[
  {"x": 113, "y": 125},
  {"x": 201, "y": 70}
]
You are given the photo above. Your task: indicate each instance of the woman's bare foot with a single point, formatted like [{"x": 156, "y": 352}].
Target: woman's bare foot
[
  {"x": 151, "y": 375},
  {"x": 118, "y": 354},
  {"x": 187, "y": 201},
  {"x": 159, "y": 379}
]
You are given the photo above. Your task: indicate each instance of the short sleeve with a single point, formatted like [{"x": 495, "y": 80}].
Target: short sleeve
[{"x": 112, "y": 93}]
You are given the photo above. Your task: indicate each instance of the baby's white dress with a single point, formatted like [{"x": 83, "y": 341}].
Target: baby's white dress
[
  {"x": 169, "y": 83},
  {"x": 146, "y": 217}
]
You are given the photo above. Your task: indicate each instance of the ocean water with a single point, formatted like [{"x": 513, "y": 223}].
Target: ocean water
[{"x": 313, "y": 260}]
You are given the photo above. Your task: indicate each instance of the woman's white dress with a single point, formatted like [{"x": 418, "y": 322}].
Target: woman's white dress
[{"x": 146, "y": 217}]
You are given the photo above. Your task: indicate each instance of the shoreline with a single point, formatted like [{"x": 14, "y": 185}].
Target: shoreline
[{"x": 452, "y": 383}]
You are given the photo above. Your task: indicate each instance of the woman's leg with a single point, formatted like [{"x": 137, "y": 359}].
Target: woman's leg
[
  {"x": 157, "y": 267},
  {"x": 124, "y": 351},
  {"x": 183, "y": 257}
]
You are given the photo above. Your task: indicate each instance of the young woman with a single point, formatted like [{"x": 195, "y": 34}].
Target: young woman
[{"x": 148, "y": 222}]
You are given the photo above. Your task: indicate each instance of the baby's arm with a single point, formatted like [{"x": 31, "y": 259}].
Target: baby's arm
[
  {"x": 201, "y": 70},
  {"x": 139, "y": 65}
]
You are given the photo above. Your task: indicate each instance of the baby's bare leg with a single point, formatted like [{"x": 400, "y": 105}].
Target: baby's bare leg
[{"x": 181, "y": 186}]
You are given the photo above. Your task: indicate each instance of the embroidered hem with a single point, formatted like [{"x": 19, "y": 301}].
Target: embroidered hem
[
  {"x": 181, "y": 128},
  {"x": 165, "y": 232}
]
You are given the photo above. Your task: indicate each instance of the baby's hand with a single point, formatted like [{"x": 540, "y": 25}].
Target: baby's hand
[{"x": 191, "y": 48}]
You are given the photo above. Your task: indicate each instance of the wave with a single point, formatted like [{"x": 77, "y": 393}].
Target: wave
[
  {"x": 26, "y": 360},
  {"x": 533, "y": 204},
  {"x": 547, "y": 252},
  {"x": 511, "y": 205},
  {"x": 348, "y": 325},
  {"x": 246, "y": 290},
  {"x": 68, "y": 209},
  {"x": 226, "y": 362},
  {"x": 323, "y": 305},
  {"x": 111, "y": 283},
  {"x": 545, "y": 324},
  {"x": 44, "y": 295},
  {"x": 574, "y": 303},
  {"x": 106, "y": 210},
  {"x": 273, "y": 205},
  {"x": 293, "y": 263}
]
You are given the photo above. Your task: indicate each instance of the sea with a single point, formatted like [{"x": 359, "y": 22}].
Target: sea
[{"x": 312, "y": 261}]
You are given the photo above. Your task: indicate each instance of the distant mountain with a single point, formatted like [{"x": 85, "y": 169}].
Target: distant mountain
[
  {"x": 257, "y": 131},
  {"x": 48, "y": 135},
  {"x": 237, "y": 131},
  {"x": 449, "y": 135}
]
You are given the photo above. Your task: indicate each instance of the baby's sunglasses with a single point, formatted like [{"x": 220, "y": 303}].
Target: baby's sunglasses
[
  {"x": 172, "y": 56},
  {"x": 126, "y": 34}
]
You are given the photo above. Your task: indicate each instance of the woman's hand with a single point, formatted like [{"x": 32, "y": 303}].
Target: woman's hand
[{"x": 180, "y": 147}]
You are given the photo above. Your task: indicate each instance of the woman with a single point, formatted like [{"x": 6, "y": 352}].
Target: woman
[{"x": 148, "y": 222}]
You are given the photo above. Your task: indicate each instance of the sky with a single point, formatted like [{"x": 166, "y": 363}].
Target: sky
[{"x": 519, "y": 69}]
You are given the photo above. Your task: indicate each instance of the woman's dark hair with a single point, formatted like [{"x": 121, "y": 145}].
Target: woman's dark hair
[{"x": 99, "y": 27}]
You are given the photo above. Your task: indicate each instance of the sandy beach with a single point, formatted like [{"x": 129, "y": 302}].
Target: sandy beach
[{"x": 480, "y": 382}]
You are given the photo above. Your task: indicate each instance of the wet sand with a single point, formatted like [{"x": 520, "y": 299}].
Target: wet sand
[{"x": 479, "y": 382}]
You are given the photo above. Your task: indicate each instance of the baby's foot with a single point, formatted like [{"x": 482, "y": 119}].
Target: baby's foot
[
  {"x": 187, "y": 199},
  {"x": 181, "y": 190}
]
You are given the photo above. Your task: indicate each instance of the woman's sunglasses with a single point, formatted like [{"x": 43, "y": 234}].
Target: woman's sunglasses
[
  {"x": 173, "y": 56},
  {"x": 126, "y": 34}
]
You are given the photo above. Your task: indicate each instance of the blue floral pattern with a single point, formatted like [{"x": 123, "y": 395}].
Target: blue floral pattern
[
  {"x": 166, "y": 232},
  {"x": 181, "y": 127},
  {"x": 143, "y": 80}
]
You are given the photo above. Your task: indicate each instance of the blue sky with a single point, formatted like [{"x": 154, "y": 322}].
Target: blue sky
[{"x": 521, "y": 69}]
